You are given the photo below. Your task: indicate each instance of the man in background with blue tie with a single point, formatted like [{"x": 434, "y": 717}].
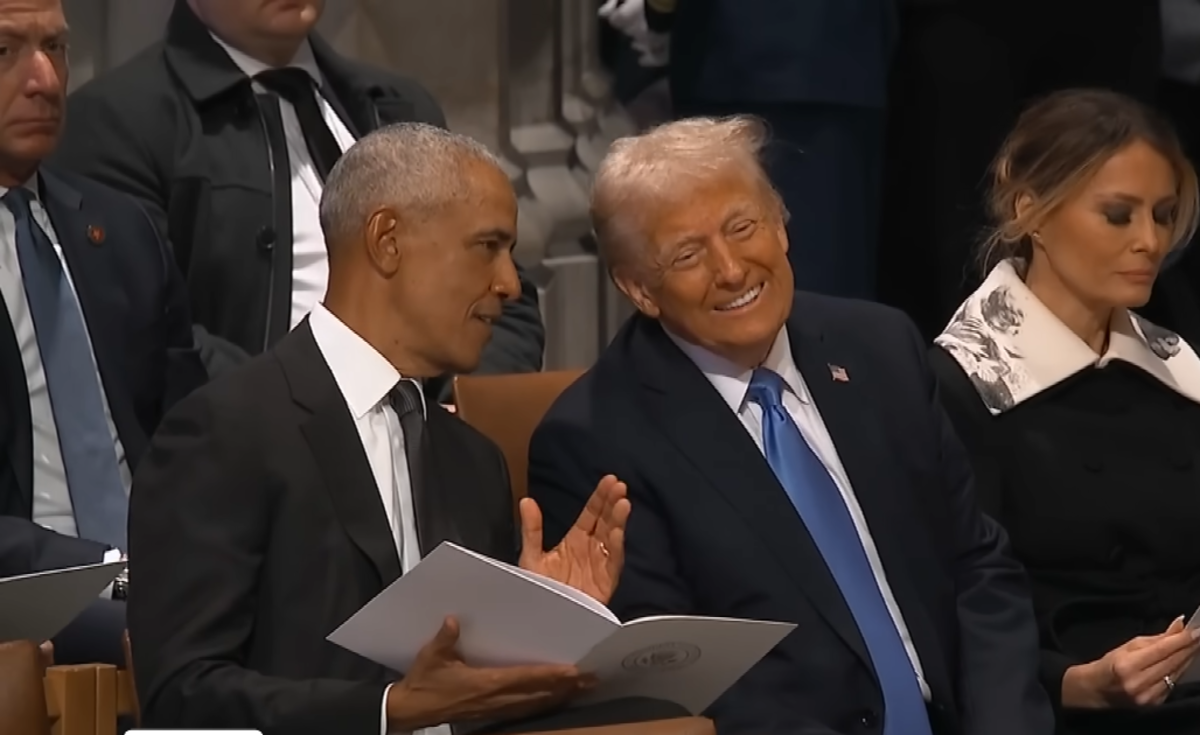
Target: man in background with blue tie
[
  {"x": 786, "y": 459},
  {"x": 95, "y": 338}
]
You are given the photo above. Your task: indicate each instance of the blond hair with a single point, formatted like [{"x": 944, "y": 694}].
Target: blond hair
[
  {"x": 1056, "y": 147},
  {"x": 661, "y": 166}
]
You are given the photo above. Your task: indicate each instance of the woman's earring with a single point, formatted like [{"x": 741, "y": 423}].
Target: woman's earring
[{"x": 1036, "y": 235}]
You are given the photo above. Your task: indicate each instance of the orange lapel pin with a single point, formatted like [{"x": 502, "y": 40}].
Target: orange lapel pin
[{"x": 95, "y": 234}]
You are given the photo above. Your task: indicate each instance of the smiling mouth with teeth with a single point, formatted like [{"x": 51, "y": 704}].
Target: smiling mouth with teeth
[{"x": 744, "y": 300}]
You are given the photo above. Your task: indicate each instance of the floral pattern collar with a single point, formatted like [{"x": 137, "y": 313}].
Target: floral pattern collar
[{"x": 1013, "y": 348}]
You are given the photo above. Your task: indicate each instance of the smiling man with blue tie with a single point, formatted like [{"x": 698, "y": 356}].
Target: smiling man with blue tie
[
  {"x": 786, "y": 459},
  {"x": 95, "y": 340}
]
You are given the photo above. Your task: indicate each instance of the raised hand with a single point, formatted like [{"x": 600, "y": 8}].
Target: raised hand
[{"x": 592, "y": 553}]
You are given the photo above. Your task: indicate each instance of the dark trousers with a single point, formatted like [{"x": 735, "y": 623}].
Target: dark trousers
[
  {"x": 960, "y": 77},
  {"x": 95, "y": 637},
  {"x": 617, "y": 712},
  {"x": 825, "y": 161}
]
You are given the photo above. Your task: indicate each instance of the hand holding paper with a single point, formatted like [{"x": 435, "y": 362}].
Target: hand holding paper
[
  {"x": 592, "y": 553},
  {"x": 441, "y": 687},
  {"x": 515, "y": 620}
]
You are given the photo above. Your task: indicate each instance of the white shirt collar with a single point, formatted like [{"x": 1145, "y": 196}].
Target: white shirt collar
[
  {"x": 252, "y": 67},
  {"x": 364, "y": 376},
  {"x": 32, "y": 184},
  {"x": 733, "y": 381},
  {"x": 1013, "y": 347}
]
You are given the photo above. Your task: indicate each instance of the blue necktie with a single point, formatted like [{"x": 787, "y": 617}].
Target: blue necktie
[
  {"x": 88, "y": 451},
  {"x": 821, "y": 507}
]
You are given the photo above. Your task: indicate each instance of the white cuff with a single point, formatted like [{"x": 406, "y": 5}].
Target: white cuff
[{"x": 109, "y": 557}]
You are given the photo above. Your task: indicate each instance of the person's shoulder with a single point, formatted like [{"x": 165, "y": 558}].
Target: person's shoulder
[
  {"x": 240, "y": 404},
  {"x": 878, "y": 326},
  {"x": 94, "y": 193},
  {"x": 132, "y": 82},
  {"x": 421, "y": 105},
  {"x": 838, "y": 310},
  {"x": 461, "y": 434}
]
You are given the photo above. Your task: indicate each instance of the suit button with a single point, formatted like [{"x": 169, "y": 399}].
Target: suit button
[
  {"x": 1117, "y": 554},
  {"x": 1093, "y": 464},
  {"x": 265, "y": 239},
  {"x": 868, "y": 718}
]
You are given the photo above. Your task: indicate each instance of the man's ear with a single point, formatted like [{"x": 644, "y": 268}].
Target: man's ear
[
  {"x": 383, "y": 241},
  {"x": 635, "y": 290}
]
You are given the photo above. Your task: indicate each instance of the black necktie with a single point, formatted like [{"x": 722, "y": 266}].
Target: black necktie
[
  {"x": 296, "y": 86},
  {"x": 406, "y": 402}
]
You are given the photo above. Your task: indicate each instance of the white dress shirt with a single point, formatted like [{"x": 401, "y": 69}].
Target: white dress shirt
[
  {"x": 52, "y": 507},
  {"x": 365, "y": 379},
  {"x": 733, "y": 384},
  {"x": 310, "y": 266}
]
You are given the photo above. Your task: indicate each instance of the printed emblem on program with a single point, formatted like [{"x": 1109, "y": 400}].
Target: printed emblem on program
[{"x": 662, "y": 657}]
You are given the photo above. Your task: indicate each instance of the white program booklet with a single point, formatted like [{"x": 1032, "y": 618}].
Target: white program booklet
[
  {"x": 509, "y": 616},
  {"x": 36, "y": 607}
]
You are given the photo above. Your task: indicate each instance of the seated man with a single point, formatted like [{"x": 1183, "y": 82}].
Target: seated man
[
  {"x": 788, "y": 460},
  {"x": 276, "y": 502},
  {"x": 95, "y": 338},
  {"x": 226, "y": 132}
]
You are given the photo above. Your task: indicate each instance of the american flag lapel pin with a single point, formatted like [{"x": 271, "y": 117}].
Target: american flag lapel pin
[{"x": 838, "y": 373}]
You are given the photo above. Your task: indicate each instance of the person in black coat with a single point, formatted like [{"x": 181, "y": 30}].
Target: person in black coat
[
  {"x": 1083, "y": 419},
  {"x": 231, "y": 167}
]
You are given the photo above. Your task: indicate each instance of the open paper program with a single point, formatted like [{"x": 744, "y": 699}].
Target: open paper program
[{"x": 509, "y": 616}]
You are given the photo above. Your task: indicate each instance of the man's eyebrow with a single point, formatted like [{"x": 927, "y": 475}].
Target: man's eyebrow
[
  {"x": 9, "y": 28},
  {"x": 495, "y": 233}
]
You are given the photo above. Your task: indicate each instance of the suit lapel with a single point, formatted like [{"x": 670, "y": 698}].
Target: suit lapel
[
  {"x": 16, "y": 426},
  {"x": 698, "y": 421},
  {"x": 450, "y": 486},
  {"x": 81, "y": 235},
  {"x": 331, "y": 435},
  {"x": 356, "y": 106},
  {"x": 846, "y": 410}
]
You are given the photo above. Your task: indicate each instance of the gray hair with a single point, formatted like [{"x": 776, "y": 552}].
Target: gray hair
[
  {"x": 412, "y": 167},
  {"x": 659, "y": 165}
]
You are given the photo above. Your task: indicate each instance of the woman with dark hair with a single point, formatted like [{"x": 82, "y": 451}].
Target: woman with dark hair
[{"x": 1083, "y": 419}]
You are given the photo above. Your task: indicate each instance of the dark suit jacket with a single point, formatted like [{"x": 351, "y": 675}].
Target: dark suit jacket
[
  {"x": 136, "y": 311},
  {"x": 180, "y": 128},
  {"x": 781, "y": 51},
  {"x": 713, "y": 533},
  {"x": 256, "y": 528}
]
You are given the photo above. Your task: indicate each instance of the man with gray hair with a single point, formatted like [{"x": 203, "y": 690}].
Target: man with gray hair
[
  {"x": 276, "y": 502},
  {"x": 788, "y": 459}
]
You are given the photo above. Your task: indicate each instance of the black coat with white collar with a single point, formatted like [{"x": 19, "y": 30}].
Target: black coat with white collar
[
  {"x": 179, "y": 128},
  {"x": 713, "y": 533},
  {"x": 1092, "y": 464}
]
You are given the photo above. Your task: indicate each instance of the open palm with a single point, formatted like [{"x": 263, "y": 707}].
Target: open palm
[{"x": 591, "y": 555}]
